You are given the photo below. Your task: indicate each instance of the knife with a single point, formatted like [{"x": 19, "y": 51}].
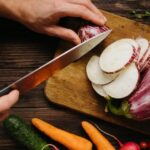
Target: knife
[{"x": 42, "y": 73}]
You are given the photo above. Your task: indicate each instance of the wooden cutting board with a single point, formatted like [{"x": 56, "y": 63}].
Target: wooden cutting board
[{"x": 70, "y": 87}]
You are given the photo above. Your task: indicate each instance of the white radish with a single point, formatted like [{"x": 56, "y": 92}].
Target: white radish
[
  {"x": 99, "y": 90},
  {"x": 95, "y": 74},
  {"x": 144, "y": 44},
  {"x": 144, "y": 60},
  {"x": 117, "y": 56},
  {"x": 130, "y": 41},
  {"x": 124, "y": 84},
  {"x": 135, "y": 45}
]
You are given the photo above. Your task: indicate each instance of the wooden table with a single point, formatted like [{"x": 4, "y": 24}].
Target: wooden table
[{"x": 21, "y": 51}]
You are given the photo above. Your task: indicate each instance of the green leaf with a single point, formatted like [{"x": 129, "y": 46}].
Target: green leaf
[
  {"x": 140, "y": 14},
  {"x": 122, "y": 110}
]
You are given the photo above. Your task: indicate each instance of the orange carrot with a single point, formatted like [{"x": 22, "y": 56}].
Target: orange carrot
[
  {"x": 69, "y": 140},
  {"x": 97, "y": 138}
]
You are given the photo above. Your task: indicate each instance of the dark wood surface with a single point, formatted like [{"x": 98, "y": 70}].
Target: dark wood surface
[{"x": 21, "y": 51}]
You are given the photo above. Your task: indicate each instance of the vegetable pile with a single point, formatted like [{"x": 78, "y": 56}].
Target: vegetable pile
[
  {"x": 25, "y": 135},
  {"x": 122, "y": 71}
]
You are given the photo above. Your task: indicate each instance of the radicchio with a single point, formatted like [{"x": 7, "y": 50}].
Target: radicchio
[
  {"x": 88, "y": 31},
  {"x": 140, "y": 100},
  {"x": 138, "y": 105}
]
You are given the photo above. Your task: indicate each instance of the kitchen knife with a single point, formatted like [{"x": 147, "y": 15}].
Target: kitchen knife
[{"x": 42, "y": 73}]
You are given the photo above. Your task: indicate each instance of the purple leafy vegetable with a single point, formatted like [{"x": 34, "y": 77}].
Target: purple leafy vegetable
[
  {"x": 140, "y": 100},
  {"x": 88, "y": 31},
  {"x": 138, "y": 105}
]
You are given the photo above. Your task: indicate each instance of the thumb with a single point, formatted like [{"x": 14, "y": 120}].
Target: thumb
[
  {"x": 8, "y": 100},
  {"x": 64, "y": 33}
]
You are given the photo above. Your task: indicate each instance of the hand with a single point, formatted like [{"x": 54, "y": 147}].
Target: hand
[
  {"x": 6, "y": 102},
  {"x": 43, "y": 15}
]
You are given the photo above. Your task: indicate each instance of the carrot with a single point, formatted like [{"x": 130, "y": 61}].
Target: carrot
[
  {"x": 97, "y": 138},
  {"x": 69, "y": 140}
]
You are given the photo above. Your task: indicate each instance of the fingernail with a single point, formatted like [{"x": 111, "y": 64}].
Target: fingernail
[
  {"x": 77, "y": 41},
  {"x": 105, "y": 19}
]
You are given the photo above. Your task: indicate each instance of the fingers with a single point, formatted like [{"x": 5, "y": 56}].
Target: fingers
[
  {"x": 90, "y": 6},
  {"x": 83, "y": 12},
  {"x": 7, "y": 101},
  {"x": 64, "y": 33},
  {"x": 74, "y": 10}
]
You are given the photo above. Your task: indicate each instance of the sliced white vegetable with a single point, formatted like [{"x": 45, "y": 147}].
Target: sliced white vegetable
[
  {"x": 146, "y": 61},
  {"x": 116, "y": 56},
  {"x": 95, "y": 74},
  {"x": 124, "y": 84},
  {"x": 135, "y": 46},
  {"x": 145, "y": 58},
  {"x": 131, "y": 41},
  {"x": 144, "y": 44},
  {"x": 99, "y": 90}
]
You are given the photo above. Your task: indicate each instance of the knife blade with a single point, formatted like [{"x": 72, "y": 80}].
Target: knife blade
[{"x": 42, "y": 73}]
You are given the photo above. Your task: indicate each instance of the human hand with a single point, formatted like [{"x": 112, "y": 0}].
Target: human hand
[
  {"x": 43, "y": 15},
  {"x": 6, "y": 102}
]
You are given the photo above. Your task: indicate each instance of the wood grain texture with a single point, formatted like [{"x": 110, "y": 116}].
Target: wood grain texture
[
  {"x": 125, "y": 7},
  {"x": 22, "y": 50},
  {"x": 71, "y": 88}
]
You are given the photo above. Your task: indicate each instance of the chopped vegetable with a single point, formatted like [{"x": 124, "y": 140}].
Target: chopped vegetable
[
  {"x": 89, "y": 31},
  {"x": 138, "y": 105},
  {"x": 95, "y": 74},
  {"x": 97, "y": 138},
  {"x": 23, "y": 133},
  {"x": 135, "y": 46},
  {"x": 144, "y": 52},
  {"x": 143, "y": 44},
  {"x": 130, "y": 59},
  {"x": 69, "y": 140},
  {"x": 99, "y": 90},
  {"x": 116, "y": 56},
  {"x": 124, "y": 84}
]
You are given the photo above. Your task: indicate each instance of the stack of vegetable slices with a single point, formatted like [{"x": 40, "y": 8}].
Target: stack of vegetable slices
[{"x": 119, "y": 70}]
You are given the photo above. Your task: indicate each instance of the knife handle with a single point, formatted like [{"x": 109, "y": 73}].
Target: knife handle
[{"x": 5, "y": 91}]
